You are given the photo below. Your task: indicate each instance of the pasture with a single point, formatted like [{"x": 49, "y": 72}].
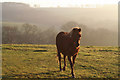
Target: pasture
[{"x": 40, "y": 61}]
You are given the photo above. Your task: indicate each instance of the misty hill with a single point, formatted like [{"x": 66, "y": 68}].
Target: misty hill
[
  {"x": 16, "y": 12},
  {"x": 99, "y": 25},
  {"x": 100, "y": 17}
]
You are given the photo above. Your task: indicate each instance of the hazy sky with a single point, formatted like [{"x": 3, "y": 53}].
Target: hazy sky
[{"x": 63, "y": 3}]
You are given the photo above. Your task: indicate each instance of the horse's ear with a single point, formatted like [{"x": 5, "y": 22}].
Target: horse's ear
[
  {"x": 79, "y": 29},
  {"x": 74, "y": 29}
]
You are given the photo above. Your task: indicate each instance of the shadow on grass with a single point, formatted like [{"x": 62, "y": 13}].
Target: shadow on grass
[
  {"x": 40, "y": 51},
  {"x": 88, "y": 67},
  {"x": 49, "y": 74},
  {"x": 7, "y": 48},
  {"x": 108, "y": 50},
  {"x": 32, "y": 46},
  {"x": 87, "y": 55}
]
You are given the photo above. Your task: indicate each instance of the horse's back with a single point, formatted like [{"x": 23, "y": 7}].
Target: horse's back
[
  {"x": 64, "y": 44},
  {"x": 60, "y": 37}
]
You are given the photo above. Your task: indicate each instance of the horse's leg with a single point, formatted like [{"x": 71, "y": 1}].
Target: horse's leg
[
  {"x": 71, "y": 65},
  {"x": 64, "y": 62},
  {"x": 74, "y": 57},
  {"x": 59, "y": 57}
]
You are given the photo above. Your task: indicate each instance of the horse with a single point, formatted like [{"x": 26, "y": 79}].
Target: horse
[{"x": 68, "y": 43}]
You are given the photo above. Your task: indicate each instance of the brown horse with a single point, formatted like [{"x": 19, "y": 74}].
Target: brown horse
[{"x": 68, "y": 45}]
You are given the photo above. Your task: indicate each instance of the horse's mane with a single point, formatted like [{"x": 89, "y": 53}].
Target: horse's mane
[{"x": 70, "y": 33}]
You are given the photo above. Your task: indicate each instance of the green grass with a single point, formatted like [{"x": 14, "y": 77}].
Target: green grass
[{"x": 40, "y": 61}]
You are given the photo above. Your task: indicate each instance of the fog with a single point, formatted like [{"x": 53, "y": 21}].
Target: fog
[{"x": 99, "y": 25}]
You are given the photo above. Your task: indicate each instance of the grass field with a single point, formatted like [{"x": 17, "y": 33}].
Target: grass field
[{"x": 40, "y": 61}]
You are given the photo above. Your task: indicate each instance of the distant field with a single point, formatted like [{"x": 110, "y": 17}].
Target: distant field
[
  {"x": 12, "y": 24},
  {"x": 40, "y": 61}
]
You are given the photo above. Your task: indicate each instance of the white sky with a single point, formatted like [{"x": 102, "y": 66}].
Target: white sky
[{"x": 64, "y": 3}]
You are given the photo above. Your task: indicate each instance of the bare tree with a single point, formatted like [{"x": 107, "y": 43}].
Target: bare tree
[
  {"x": 68, "y": 26},
  {"x": 9, "y": 34}
]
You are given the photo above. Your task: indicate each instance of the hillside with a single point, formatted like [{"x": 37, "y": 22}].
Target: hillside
[
  {"x": 101, "y": 17},
  {"x": 100, "y": 24}
]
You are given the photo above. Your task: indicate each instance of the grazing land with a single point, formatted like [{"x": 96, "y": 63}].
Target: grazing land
[{"x": 40, "y": 61}]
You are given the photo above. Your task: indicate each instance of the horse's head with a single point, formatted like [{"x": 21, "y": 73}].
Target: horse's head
[{"x": 76, "y": 35}]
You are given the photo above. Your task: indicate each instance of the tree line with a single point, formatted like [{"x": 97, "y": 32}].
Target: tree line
[{"x": 32, "y": 34}]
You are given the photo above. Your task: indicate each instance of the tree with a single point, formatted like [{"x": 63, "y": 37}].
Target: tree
[
  {"x": 9, "y": 34},
  {"x": 49, "y": 36},
  {"x": 68, "y": 26},
  {"x": 29, "y": 33}
]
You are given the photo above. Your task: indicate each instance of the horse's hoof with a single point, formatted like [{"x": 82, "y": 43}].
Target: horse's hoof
[
  {"x": 60, "y": 69},
  {"x": 73, "y": 76},
  {"x": 63, "y": 68}
]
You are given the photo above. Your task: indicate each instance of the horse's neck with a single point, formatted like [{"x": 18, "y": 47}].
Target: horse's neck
[{"x": 70, "y": 34}]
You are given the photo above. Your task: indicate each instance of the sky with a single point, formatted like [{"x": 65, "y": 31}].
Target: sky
[{"x": 63, "y": 3}]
